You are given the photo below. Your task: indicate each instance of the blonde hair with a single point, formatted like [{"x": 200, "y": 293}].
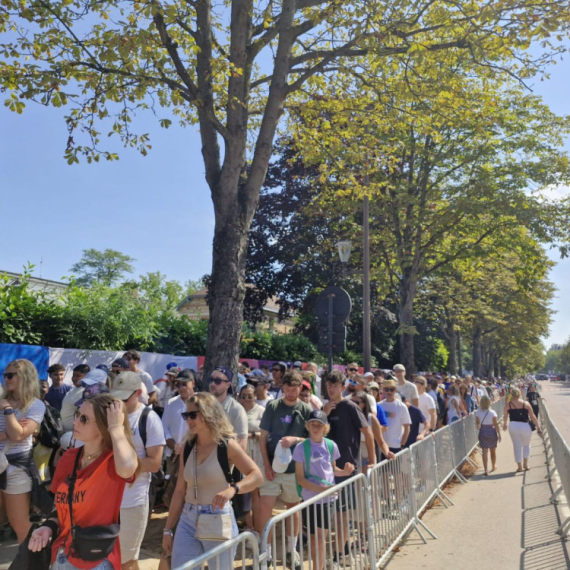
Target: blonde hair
[
  {"x": 213, "y": 415},
  {"x": 515, "y": 392},
  {"x": 388, "y": 384},
  {"x": 29, "y": 384},
  {"x": 485, "y": 402},
  {"x": 100, "y": 405},
  {"x": 327, "y": 426}
]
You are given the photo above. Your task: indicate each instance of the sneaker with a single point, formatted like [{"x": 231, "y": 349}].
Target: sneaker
[{"x": 293, "y": 560}]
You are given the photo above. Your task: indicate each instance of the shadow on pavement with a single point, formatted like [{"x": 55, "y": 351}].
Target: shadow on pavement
[{"x": 543, "y": 548}]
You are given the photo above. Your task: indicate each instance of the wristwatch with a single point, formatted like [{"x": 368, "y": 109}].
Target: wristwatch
[
  {"x": 8, "y": 411},
  {"x": 236, "y": 487}
]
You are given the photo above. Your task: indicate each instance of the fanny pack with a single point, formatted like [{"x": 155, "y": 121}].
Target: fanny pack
[{"x": 90, "y": 543}]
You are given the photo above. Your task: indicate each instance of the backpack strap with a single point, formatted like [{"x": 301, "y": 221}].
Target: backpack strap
[
  {"x": 307, "y": 449},
  {"x": 142, "y": 424},
  {"x": 330, "y": 445},
  {"x": 188, "y": 449},
  {"x": 224, "y": 461}
]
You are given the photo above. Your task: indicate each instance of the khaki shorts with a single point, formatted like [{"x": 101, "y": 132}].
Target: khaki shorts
[
  {"x": 133, "y": 526},
  {"x": 17, "y": 481},
  {"x": 283, "y": 486}
]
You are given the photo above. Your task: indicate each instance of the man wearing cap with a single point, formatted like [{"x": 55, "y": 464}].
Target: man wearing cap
[
  {"x": 221, "y": 388},
  {"x": 406, "y": 388},
  {"x": 68, "y": 404},
  {"x": 260, "y": 384},
  {"x": 119, "y": 365},
  {"x": 133, "y": 357},
  {"x": 277, "y": 372},
  {"x": 164, "y": 386},
  {"x": 283, "y": 422},
  {"x": 427, "y": 407},
  {"x": 148, "y": 438}
]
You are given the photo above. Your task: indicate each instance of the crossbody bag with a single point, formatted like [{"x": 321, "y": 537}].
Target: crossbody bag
[{"x": 90, "y": 543}]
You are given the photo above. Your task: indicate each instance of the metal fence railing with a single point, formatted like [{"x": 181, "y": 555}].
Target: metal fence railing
[
  {"x": 557, "y": 461},
  {"x": 358, "y": 523}
]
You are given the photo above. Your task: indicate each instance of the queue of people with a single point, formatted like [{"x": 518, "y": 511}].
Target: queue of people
[{"x": 217, "y": 449}]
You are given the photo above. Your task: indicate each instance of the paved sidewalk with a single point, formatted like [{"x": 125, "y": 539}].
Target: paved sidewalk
[{"x": 501, "y": 521}]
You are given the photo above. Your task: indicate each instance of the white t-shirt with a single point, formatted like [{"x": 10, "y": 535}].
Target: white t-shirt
[
  {"x": 146, "y": 378},
  {"x": 137, "y": 494},
  {"x": 408, "y": 390},
  {"x": 397, "y": 416},
  {"x": 266, "y": 401},
  {"x": 451, "y": 411},
  {"x": 487, "y": 414},
  {"x": 426, "y": 404},
  {"x": 174, "y": 426}
]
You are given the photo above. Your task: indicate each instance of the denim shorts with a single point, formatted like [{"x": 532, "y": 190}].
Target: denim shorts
[
  {"x": 62, "y": 563},
  {"x": 186, "y": 546}
]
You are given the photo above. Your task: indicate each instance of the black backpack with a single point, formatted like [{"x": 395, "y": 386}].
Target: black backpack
[
  {"x": 240, "y": 503},
  {"x": 51, "y": 428}
]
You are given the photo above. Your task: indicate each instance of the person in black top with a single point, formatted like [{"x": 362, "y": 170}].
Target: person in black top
[{"x": 533, "y": 397}]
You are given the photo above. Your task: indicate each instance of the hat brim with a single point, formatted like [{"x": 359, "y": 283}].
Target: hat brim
[
  {"x": 317, "y": 420},
  {"x": 122, "y": 394}
]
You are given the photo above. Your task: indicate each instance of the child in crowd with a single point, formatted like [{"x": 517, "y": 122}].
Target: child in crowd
[{"x": 315, "y": 468}]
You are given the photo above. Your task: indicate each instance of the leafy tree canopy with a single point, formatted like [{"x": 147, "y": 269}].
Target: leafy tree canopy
[{"x": 107, "y": 267}]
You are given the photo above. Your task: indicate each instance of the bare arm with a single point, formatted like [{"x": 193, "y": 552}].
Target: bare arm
[
  {"x": 269, "y": 473},
  {"x": 377, "y": 431},
  {"x": 153, "y": 460},
  {"x": 369, "y": 442},
  {"x": 16, "y": 431},
  {"x": 252, "y": 475},
  {"x": 496, "y": 425},
  {"x": 405, "y": 435},
  {"x": 125, "y": 456},
  {"x": 433, "y": 419},
  {"x": 176, "y": 506}
]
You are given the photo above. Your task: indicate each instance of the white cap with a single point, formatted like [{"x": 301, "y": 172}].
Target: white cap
[
  {"x": 282, "y": 458},
  {"x": 96, "y": 376},
  {"x": 368, "y": 375}
]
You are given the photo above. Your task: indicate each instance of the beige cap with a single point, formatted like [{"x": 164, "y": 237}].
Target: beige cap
[
  {"x": 125, "y": 384},
  {"x": 399, "y": 367}
]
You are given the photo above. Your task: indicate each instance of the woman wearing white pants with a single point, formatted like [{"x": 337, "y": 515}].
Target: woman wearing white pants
[{"x": 517, "y": 414}]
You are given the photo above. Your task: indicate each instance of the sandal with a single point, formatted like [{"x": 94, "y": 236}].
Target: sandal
[
  {"x": 519, "y": 470},
  {"x": 526, "y": 468}
]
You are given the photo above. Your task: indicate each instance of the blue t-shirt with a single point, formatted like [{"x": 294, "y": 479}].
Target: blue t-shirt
[
  {"x": 55, "y": 396},
  {"x": 381, "y": 415}
]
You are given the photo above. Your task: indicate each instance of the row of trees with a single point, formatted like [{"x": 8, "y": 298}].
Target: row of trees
[{"x": 242, "y": 70}]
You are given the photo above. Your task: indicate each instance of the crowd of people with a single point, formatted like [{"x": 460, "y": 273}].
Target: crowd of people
[{"x": 217, "y": 451}]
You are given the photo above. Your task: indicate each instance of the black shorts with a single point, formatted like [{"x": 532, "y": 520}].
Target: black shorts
[
  {"x": 394, "y": 450},
  {"x": 317, "y": 516}
]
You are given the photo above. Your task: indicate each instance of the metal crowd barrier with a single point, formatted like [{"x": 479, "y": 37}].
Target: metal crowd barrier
[
  {"x": 238, "y": 546},
  {"x": 369, "y": 515},
  {"x": 557, "y": 460}
]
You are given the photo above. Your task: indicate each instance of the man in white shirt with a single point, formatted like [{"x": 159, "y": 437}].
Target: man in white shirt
[
  {"x": 398, "y": 417},
  {"x": 406, "y": 388},
  {"x": 148, "y": 438},
  {"x": 164, "y": 386},
  {"x": 175, "y": 428},
  {"x": 133, "y": 357},
  {"x": 221, "y": 388},
  {"x": 427, "y": 406},
  {"x": 472, "y": 389}
]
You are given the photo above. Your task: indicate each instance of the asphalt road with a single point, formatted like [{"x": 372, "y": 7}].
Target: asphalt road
[{"x": 557, "y": 396}]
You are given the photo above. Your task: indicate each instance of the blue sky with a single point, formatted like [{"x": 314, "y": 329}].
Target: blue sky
[{"x": 156, "y": 209}]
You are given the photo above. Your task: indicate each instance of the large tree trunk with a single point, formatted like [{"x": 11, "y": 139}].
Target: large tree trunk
[
  {"x": 406, "y": 322},
  {"x": 459, "y": 355},
  {"x": 477, "y": 352}
]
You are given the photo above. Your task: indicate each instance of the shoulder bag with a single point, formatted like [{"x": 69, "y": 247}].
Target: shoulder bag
[{"x": 90, "y": 543}]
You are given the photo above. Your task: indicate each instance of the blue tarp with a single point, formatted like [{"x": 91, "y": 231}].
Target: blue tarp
[{"x": 38, "y": 355}]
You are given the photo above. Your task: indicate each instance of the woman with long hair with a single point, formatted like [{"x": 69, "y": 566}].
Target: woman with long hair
[
  {"x": 489, "y": 432},
  {"x": 21, "y": 413},
  {"x": 202, "y": 487},
  {"x": 90, "y": 481},
  {"x": 466, "y": 399},
  {"x": 516, "y": 415}
]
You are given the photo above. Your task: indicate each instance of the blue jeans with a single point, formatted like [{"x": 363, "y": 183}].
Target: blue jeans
[
  {"x": 62, "y": 563},
  {"x": 187, "y": 547}
]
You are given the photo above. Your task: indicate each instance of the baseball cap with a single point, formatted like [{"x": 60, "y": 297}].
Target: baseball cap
[
  {"x": 318, "y": 416},
  {"x": 256, "y": 373},
  {"x": 103, "y": 367},
  {"x": 368, "y": 375},
  {"x": 225, "y": 370},
  {"x": 96, "y": 376},
  {"x": 306, "y": 384},
  {"x": 281, "y": 459},
  {"x": 122, "y": 362},
  {"x": 171, "y": 365},
  {"x": 298, "y": 364},
  {"x": 399, "y": 367},
  {"x": 173, "y": 370},
  {"x": 374, "y": 385},
  {"x": 91, "y": 391},
  {"x": 125, "y": 384}
]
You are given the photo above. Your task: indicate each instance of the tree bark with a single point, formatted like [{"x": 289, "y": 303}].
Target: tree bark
[
  {"x": 452, "y": 337},
  {"x": 406, "y": 322},
  {"x": 477, "y": 352},
  {"x": 459, "y": 355}
]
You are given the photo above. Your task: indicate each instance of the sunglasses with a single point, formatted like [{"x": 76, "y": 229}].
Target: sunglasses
[
  {"x": 189, "y": 415},
  {"x": 353, "y": 369},
  {"x": 9, "y": 375},
  {"x": 389, "y": 389},
  {"x": 353, "y": 382},
  {"x": 82, "y": 417},
  {"x": 420, "y": 383},
  {"x": 246, "y": 397},
  {"x": 217, "y": 381}
]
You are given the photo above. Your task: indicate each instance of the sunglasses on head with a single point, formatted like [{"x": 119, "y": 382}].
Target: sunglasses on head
[
  {"x": 9, "y": 375},
  {"x": 217, "y": 381},
  {"x": 81, "y": 417},
  {"x": 189, "y": 415},
  {"x": 389, "y": 389}
]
